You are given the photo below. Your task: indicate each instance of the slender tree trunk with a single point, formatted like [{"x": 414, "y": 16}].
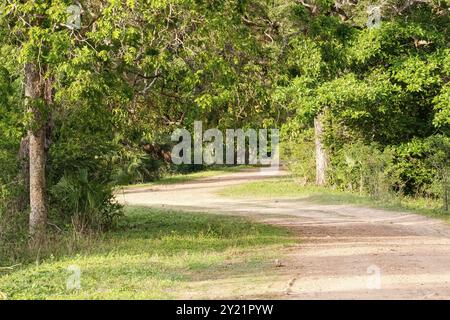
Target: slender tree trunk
[
  {"x": 321, "y": 155},
  {"x": 36, "y": 136}
]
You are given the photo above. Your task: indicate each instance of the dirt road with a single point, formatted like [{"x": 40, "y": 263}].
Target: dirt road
[{"x": 345, "y": 251}]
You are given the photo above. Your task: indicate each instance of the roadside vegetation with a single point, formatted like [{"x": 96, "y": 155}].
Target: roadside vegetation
[{"x": 150, "y": 254}]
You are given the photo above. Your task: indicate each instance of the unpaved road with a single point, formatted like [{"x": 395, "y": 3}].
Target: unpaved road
[{"x": 346, "y": 252}]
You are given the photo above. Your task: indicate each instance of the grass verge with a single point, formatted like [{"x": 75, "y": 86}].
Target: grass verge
[
  {"x": 289, "y": 188},
  {"x": 152, "y": 254}
]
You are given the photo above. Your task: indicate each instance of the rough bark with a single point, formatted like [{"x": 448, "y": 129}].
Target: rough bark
[
  {"x": 321, "y": 155},
  {"x": 36, "y": 136}
]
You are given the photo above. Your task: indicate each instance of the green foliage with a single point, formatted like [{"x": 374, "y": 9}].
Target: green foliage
[
  {"x": 438, "y": 156},
  {"x": 442, "y": 106},
  {"x": 13, "y": 215},
  {"x": 297, "y": 152},
  {"x": 383, "y": 93},
  {"x": 87, "y": 204},
  {"x": 415, "y": 174},
  {"x": 133, "y": 167},
  {"x": 363, "y": 168}
]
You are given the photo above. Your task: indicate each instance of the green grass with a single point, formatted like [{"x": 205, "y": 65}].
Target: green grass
[
  {"x": 152, "y": 254},
  {"x": 289, "y": 188},
  {"x": 188, "y": 177}
]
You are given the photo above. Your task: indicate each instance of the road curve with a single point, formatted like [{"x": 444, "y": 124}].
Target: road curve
[{"x": 346, "y": 252}]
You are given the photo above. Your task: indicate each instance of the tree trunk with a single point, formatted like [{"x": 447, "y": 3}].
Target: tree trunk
[
  {"x": 36, "y": 136},
  {"x": 321, "y": 156}
]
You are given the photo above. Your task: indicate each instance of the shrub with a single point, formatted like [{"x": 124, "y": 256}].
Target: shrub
[
  {"x": 81, "y": 169},
  {"x": 297, "y": 152},
  {"x": 438, "y": 156},
  {"x": 415, "y": 175},
  {"x": 363, "y": 168},
  {"x": 85, "y": 202}
]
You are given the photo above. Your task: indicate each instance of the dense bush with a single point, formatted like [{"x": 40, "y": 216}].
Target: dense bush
[
  {"x": 297, "y": 153},
  {"x": 363, "y": 168},
  {"x": 438, "y": 157},
  {"x": 419, "y": 168},
  {"x": 81, "y": 165},
  {"x": 415, "y": 174},
  {"x": 13, "y": 196},
  {"x": 85, "y": 202}
]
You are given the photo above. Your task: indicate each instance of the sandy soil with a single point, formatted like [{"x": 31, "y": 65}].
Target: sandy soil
[{"x": 346, "y": 252}]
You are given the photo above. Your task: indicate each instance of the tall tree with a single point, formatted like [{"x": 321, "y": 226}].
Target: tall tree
[
  {"x": 34, "y": 93},
  {"x": 359, "y": 76},
  {"x": 29, "y": 29}
]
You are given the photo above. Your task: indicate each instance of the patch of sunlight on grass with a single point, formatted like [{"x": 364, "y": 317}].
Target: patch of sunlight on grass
[
  {"x": 289, "y": 188},
  {"x": 153, "y": 254}
]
